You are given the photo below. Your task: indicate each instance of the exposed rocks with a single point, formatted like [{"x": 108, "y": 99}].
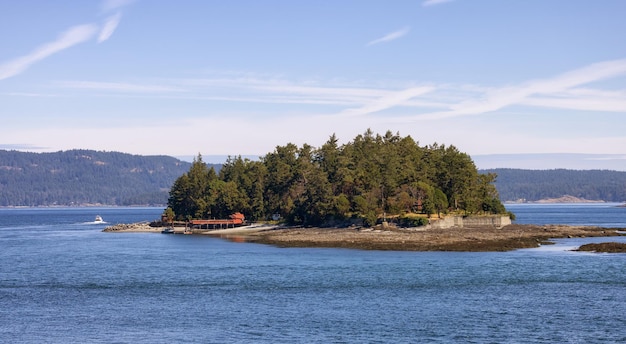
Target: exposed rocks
[
  {"x": 605, "y": 247},
  {"x": 567, "y": 199},
  {"x": 450, "y": 239},
  {"x": 132, "y": 227}
]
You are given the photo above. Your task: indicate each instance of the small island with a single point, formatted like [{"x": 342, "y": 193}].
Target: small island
[{"x": 376, "y": 192}]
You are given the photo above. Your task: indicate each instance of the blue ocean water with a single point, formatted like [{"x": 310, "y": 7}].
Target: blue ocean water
[{"x": 62, "y": 280}]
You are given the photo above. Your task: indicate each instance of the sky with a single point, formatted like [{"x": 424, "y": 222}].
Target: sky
[{"x": 240, "y": 77}]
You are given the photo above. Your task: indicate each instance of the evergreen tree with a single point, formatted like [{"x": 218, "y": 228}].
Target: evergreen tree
[
  {"x": 367, "y": 178},
  {"x": 193, "y": 194}
]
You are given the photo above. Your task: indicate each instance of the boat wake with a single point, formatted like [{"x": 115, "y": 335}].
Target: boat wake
[{"x": 95, "y": 223}]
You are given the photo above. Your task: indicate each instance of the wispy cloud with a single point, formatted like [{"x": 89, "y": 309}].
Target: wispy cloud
[
  {"x": 346, "y": 100},
  {"x": 434, "y": 2},
  {"x": 249, "y": 90},
  {"x": 110, "y": 5},
  {"x": 388, "y": 101},
  {"x": 499, "y": 98},
  {"x": 69, "y": 38},
  {"x": 119, "y": 87},
  {"x": 378, "y": 106},
  {"x": 109, "y": 27},
  {"x": 29, "y": 94},
  {"x": 607, "y": 158},
  {"x": 448, "y": 100},
  {"x": 582, "y": 103},
  {"x": 389, "y": 37}
]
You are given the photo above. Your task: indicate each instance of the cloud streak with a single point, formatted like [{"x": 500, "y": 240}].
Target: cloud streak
[
  {"x": 69, "y": 38},
  {"x": 389, "y": 37},
  {"x": 497, "y": 99},
  {"x": 391, "y": 100},
  {"x": 359, "y": 100},
  {"x": 75, "y": 35},
  {"x": 110, "y": 5},
  {"x": 119, "y": 87},
  {"x": 109, "y": 27},
  {"x": 425, "y": 102},
  {"x": 428, "y": 3},
  {"x": 349, "y": 100},
  {"x": 240, "y": 90}
]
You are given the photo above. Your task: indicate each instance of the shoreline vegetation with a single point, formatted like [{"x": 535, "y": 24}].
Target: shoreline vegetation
[{"x": 466, "y": 239}]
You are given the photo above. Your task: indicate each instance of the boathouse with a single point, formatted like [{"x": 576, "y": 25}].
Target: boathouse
[{"x": 234, "y": 220}]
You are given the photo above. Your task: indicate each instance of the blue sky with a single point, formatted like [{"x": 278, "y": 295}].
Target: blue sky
[{"x": 241, "y": 77}]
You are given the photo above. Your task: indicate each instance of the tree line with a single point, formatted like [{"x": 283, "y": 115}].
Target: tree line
[
  {"x": 83, "y": 177},
  {"x": 534, "y": 185},
  {"x": 368, "y": 178}
]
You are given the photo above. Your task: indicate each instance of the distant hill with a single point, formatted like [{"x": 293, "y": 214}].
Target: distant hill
[
  {"x": 549, "y": 161},
  {"x": 536, "y": 185},
  {"x": 86, "y": 177}
]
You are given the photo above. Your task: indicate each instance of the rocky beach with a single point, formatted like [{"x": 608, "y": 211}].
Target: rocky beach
[
  {"x": 139, "y": 227},
  {"x": 467, "y": 239}
]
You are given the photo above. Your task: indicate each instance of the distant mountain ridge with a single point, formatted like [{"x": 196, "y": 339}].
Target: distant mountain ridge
[
  {"x": 517, "y": 185},
  {"x": 548, "y": 161},
  {"x": 86, "y": 177}
]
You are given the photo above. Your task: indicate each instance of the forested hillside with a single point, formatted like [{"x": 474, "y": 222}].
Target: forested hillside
[
  {"x": 86, "y": 177},
  {"x": 534, "y": 185},
  {"x": 371, "y": 177}
]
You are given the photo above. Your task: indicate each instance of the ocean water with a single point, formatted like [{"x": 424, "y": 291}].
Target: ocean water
[{"x": 62, "y": 280}]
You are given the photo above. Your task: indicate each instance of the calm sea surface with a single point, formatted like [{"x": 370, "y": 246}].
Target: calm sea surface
[{"x": 62, "y": 280}]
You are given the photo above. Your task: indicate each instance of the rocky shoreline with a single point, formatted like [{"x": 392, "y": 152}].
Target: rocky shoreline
[
  {"x": 139, "y": 227},
  {"x": 605, "y": 247},
  {"x": 468, "y": 239}
]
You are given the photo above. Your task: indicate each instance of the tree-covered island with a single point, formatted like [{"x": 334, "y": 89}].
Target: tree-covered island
[
  {"x": 364, "y": 182},
  {"x": 371, "y": 178}
]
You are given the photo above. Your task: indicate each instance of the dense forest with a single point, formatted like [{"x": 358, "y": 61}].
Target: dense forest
[
  {"x": 368, "y": 178},
  {"x": 534, "y": 185},
  {"x": 86, "y": 177}
]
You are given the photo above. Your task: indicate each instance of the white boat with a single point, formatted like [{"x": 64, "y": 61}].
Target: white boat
[{"x": 98, "y": 219}]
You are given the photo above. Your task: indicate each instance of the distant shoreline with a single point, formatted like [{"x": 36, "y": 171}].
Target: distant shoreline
[
  {"x": 473, "y": 239},
  {"x": 79, "y": 206},
  {"x": 558, "y": 200}
]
